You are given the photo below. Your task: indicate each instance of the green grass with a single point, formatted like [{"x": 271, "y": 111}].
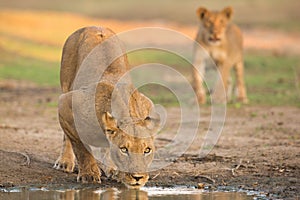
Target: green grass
[
  {"x": 270, "y": 79},
  {"x": 23, "y": 59},
  {"x": 160, "y": 94},
  {"x": 162, "y": 57},
  {"x": 43, "y": 73}
]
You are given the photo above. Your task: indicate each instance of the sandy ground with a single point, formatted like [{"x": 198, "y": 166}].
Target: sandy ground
[{"x": 259, "y": 148}]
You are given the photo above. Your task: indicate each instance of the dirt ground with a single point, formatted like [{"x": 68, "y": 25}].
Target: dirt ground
[{"x": 259, "y": 148}]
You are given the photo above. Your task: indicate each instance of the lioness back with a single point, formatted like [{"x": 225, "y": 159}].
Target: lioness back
[{"x": 78, "y": 46}]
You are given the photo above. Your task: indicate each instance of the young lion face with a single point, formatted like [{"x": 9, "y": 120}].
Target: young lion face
[
  {"x": 131, "y": 149},
  {"x": 214, "y": 24}
]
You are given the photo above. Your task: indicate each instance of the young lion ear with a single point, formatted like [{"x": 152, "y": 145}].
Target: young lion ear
[
  {"x": 109, "y": 122},
  {"x": 201, "y": 12},
  {"x": 228, "y": 12}
]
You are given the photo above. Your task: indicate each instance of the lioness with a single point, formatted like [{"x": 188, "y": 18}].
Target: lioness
[
  {"x": 130, "y": 136},
  {"x": 224, "y": 43}
]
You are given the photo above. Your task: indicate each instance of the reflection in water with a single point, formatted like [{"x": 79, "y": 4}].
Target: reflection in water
[{"x": 113, "y": 194}]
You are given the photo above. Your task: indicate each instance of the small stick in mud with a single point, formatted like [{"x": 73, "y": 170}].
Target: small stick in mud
[
  {"x": 27, "y": 162},
  {"x": 206, "y": 177},
  {"x": 156, "y": 175}
]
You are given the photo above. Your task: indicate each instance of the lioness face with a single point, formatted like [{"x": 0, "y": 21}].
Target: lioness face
[
  {"x": 214, "y": 24},
  {"x": 132, "y": 153}
]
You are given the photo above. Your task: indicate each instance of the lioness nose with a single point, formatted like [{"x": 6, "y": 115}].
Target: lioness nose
[{"x": 137, "y": 177}]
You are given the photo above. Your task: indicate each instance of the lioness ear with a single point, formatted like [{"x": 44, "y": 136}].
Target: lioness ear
[
  {"x": 201, "y": 12},
  {"x": 228, "y": 12},
  {"x": 109, "y": 123},
  {"x": 152, "y": 124}
]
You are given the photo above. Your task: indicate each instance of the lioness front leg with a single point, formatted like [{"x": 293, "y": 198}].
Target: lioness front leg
[
  {"x": 66, "y": 160},
  {"x": 87, "y": 165}
]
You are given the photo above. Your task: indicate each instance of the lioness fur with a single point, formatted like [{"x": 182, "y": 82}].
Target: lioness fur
[{"x": 129, "y": 154}]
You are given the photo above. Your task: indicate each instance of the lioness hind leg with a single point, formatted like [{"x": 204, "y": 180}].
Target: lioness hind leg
[
  {"x": 66, "y": 160},
  {"x": 241, "y": 89}
]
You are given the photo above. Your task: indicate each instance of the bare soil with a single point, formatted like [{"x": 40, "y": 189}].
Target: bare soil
[{"x": 259, "y": 148}]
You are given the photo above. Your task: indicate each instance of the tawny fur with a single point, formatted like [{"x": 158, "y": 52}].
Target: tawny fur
[
  {"x": 130, "y": 169},
  {"x": 223, "y": 41}
]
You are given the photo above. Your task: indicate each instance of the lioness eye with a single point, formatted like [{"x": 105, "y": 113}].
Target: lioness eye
[
  {"x": 109, "y": 131},
  {"x": 147, "y": 150},
  {"x": 124, "y": 149}
]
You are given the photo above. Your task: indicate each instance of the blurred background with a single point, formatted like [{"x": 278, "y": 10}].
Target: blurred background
[{"x": 32, "y": 34}]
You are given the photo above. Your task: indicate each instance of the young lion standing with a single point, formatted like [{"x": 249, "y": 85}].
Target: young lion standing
[{"x": 224, "y": 43}]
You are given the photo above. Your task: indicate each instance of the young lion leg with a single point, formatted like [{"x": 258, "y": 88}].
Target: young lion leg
[
  {"x": 198, "y": 73},
  {"x": 221, "y": 88},
  {"x": 66, "y": 160},
  {"x": 241, "y": 89},
  {"x": 198, "y": 87}
]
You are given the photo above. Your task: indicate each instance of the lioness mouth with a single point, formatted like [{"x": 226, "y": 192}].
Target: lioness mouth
[
  {"x": 133, "y": 186},
  {"x": 211, "y": 39}
]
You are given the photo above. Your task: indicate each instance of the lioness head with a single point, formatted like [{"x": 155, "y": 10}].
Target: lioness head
[
  {"x": 131, "y": 148},
  {"x": 214, "y": 24}
]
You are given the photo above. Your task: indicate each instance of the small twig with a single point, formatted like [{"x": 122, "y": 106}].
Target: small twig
[
  {"x": 206, "y": 177},
  {"x": 27, "y": 162},
  {"x": 223, "y": 182},
  {"x": 5, "y": 126},
  {"x": 238, "y": 166},
  {"x": 233, "y": 172},
  {"x": 155, "y": 176}
]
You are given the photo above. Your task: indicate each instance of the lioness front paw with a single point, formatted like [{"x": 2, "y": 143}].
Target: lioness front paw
[
  {"x": 90, "y": 175},
  {"x": 65, "y": 164}
]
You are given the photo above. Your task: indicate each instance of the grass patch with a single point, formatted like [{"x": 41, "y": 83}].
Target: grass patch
[
  {"x": 17, "y": 67},
  {"x": 25, "y": 59},
  {"x": 30, "y": 50},
  {"x": 272, "y": 80},
  {"x": 177, "y": 62},
  {"x": 163, "y": 82}
]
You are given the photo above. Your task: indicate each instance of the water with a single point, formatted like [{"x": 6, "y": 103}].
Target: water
[{"x": 146, "y": 193}]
